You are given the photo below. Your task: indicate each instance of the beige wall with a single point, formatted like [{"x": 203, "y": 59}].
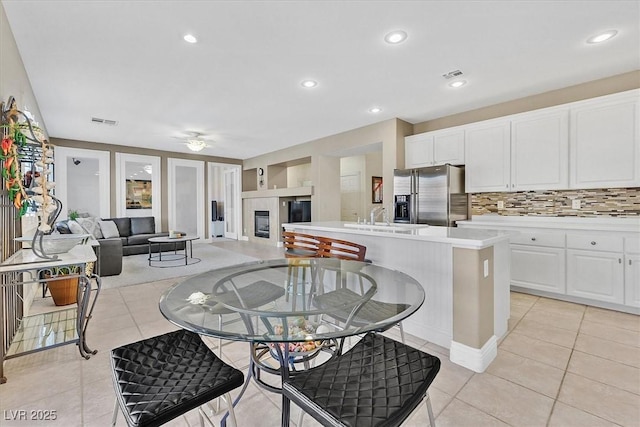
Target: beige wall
[
  {"x": 164, "y": 155},
  {"x": 473, "y": 301},
  {"x": 592, "y": 89},
  {"x": 325, "y": 156},
  {"x": 13, "y": 77}
]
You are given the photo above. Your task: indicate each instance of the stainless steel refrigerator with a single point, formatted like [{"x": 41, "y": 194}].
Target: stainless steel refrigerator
[{"x": 433, "y": 195}]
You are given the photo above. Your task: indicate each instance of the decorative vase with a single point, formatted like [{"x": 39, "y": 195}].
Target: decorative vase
[{"x": 64, "y": 291}]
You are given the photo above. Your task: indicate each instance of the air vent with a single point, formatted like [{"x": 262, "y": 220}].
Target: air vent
[
  {"x": 452, "y": 74},
  {"x": 103, "y": 121}
]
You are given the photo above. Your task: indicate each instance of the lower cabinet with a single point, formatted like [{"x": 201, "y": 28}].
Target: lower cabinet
[
  {"x": 596, "y": 275},
  {"x": 632, "y": 280},
  {"x": 538, "y": 268}
]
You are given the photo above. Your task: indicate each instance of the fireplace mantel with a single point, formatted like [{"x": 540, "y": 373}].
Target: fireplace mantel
[{"x": 278, "y": 192}]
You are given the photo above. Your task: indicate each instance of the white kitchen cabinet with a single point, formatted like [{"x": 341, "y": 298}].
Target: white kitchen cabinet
[
  {"x": 540, "y": 268},
  {"x": 605, "y": 142},
  {"x": 632, "y": 280},
  {"x": 632, "y": 271},
  {"x": 488, "y": 157},
  {"x": 595, "y": 275},
  {"x": 448, "y": 147},
  {"x": 540, "y": 151},
  {"x": 418, "y": 151},
  {"x": 593, "y": 261},
  {"x": 435, "y": 148}
]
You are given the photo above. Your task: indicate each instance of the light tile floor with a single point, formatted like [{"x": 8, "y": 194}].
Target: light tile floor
[{"x": 561, "y": 364}]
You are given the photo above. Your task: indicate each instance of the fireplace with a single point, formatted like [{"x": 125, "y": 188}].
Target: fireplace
[{"x": 261, "y": 223}]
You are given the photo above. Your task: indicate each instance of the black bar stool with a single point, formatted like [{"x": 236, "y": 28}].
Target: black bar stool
[
  {"x": 161, "y": 378},
  {"x": 378, "y": 382}
]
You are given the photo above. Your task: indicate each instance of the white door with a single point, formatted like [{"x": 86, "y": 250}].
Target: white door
[
  {"x": 232, "y": 203},
  {"x": 350, "y": 197},
  {"x": 186, "y": 207}
]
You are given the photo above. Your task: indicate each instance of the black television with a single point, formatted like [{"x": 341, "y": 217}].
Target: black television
[{"x": 300, "y": 211}]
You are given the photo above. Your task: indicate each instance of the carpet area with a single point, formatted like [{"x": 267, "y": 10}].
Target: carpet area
[{"x": 136, "y": 269}]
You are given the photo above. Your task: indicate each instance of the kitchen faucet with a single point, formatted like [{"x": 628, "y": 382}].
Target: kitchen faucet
[{"x": 374, "y": 213}]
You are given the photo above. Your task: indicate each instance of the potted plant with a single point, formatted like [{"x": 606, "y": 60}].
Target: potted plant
[
  {"x": 73, "y": 215},
  {"x": 64, "y": 290}
]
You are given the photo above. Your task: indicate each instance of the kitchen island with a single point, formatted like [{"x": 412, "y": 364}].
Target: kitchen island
[{"x": 465, "y": 274}]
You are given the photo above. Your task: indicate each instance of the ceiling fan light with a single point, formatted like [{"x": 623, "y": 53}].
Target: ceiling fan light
[{"x": 196, "y": 144}]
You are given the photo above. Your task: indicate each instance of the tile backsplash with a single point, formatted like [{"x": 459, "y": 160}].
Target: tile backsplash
[{"x": 613, "y": 202}]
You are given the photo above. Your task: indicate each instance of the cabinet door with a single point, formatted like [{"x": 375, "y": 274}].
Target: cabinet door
[
  {"x": 538, "y": 268},
  {"x": 418, "y": 151},
  {"x": 596, "y": 275},
  {"x": 632, "y": 280},
  {"x": 448, "y": 147},
  {"x": 605, "y": 144},
  {"x": 540, "y": 151},
  {"x": 487, "y": 157}
]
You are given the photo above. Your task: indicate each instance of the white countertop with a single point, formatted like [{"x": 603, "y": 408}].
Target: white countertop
[
  {"x": 458, "y": 237},
  {"x": 628, "y": 224}
]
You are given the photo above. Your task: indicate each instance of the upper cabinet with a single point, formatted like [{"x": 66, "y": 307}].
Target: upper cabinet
[
  {"x": 487, "y": 154},
  {"x": 605, "y": 145},
  {"x": 540, "y": 151},
  {"x": 418, "y": 150},
  {"x": 435, "y": 148},
  {"x": 586, "y": 144}
]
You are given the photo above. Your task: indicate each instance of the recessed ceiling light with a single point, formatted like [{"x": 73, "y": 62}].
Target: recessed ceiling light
[
  {"x": 602, "y": 37},
  {"x": 309, "y": 84},
  {"x": 375, "y": 110},
  {"x": 189, "y": 38},
  {"x": 458, "y": 83},
  {"x": 395, "y": 37}
]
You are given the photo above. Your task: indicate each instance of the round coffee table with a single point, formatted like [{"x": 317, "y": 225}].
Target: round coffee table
[{"x": 167, "y": 257}]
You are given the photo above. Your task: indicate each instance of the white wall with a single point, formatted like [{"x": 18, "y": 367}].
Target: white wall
[{"x": 13, "y": 77}]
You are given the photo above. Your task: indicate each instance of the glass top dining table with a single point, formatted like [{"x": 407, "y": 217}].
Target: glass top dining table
[{"x": 292, "y": 300}]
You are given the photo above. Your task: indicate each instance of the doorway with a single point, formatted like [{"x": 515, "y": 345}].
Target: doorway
[{"x": 224, "y": 184}]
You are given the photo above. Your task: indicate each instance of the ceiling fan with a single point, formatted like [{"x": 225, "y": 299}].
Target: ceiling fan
[{"x": 194, "y": 140}]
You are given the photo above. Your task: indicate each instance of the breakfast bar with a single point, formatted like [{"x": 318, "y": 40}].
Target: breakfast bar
[{"x": 465, "y": 274}]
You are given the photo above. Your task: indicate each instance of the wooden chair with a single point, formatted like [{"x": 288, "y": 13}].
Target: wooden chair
[
  {"x": 341, "y": 249},
  {"x": 299, "y": 245},
  {"x": 346, "y": 250}
]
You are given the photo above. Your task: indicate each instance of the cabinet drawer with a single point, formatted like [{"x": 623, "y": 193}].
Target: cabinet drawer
[
  {"x": 632, "y": 245},
  {"x": 594, "y": 243},
  {"x": 553, "y": 240}
]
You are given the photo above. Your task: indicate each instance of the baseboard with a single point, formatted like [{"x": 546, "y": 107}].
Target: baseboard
[{"x": 472, "y": 358}]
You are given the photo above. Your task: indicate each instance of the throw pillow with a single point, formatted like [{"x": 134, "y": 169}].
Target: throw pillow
[
  {"x": 75, "y": 227},
  {"x": 91, "y": 226},
  {"x": 109, "y": 229}
]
